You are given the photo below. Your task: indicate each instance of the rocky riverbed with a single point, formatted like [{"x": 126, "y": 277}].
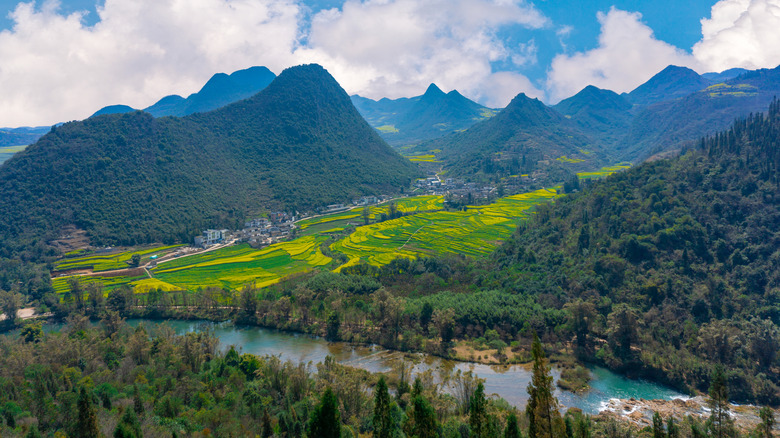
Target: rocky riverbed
[{"x": 640, "y": 412}]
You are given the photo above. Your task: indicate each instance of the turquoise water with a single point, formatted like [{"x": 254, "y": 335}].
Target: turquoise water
[{"x": 509, "y": 382}]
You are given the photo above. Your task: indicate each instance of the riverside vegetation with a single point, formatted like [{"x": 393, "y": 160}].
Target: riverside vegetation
[{"x": 114, "y": 380}]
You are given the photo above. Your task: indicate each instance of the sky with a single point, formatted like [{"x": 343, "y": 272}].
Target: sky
[{"x": 63, "y": 61}]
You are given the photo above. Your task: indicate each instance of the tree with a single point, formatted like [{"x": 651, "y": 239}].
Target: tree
[
  {"x": 366, "y": 214},
  {"x": 542, "y": 407},
  {"x": 325, "y": 421},
  {"x": 138, "y": 405},
  {"x": 128, "y": 426},
  {"x": 135, "y": 260},
  {"x": 10, "y": 302},
  {"x": 719, "y": 424},
  {"x": 426, "y": 313},
  {"x": 622, "y": 329},
  {"x": 86, "y": 423},
  {"x": 33, "y": 432},
  {"x": 332, "y": 329},
  {"x": 658, "y": 426},
  {"x": 382, "y": 420},
  {"x": 511, "y": 430},
  {"x": 672, "y": 431},
  {"x": 392, "y": 211},
  {"x": 32, "y": 332},
  {"x": 424, "y": 417},
  {"x": 478, "y": 421},
  {"x": 764, "y": 429}
]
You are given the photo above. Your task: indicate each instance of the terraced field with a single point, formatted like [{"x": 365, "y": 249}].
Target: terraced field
[
  {"x": 477, "y": 231},
  {"x": 605, "y": 171},
  {"x": 237, "y": 265},
  {"x": 107, "y": 262}
]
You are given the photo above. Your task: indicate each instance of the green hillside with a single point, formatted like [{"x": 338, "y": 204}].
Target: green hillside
[
  {"x": 603, "y": 114},
  {"x": 408, "y": 121},
  {"x": 524, "y": 137},
  {"x": 131, "y": 178}
]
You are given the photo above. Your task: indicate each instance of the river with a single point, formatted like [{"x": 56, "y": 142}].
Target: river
[{"x": 509, "y": 382}]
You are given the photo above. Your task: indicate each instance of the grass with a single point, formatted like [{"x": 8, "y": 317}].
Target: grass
[
  {"x": 11, "y": 149},
  {"x": 422, "y": 158},
  {"x": 387, "y": 129},
  {"x": 604, "y": 172},
  {"x": 237, "y": 265},
  {"x": 565, "y": 159},
  {"x": 107, "y": 262},
  {"x": 475, "y": 232}
]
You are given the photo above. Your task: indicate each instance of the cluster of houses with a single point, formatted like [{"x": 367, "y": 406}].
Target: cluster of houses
[
  {"x": 458, "y": 188},
  {"x": 258, "y": 232}
]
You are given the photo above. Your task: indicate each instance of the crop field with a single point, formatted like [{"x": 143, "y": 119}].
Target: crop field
[
  {"x": 430, "y": 158},
  {"x": 604, "y": 172},
  {"x": 61, "y": 286},
  {"x": 338, "y": 221},
  {"x": 7, "y": 152},
  {"x": 565, "y": 159},
  {"x": 235, "y": 266},
  {"x": 107, "y": 262},
  {"x": 474, "y": 232}
]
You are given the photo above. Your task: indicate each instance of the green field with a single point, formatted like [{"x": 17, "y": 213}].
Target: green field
[
  {"x": 7, "y": 152},
  {"x": 107, "y": 262},
  {"x": 339, "y": 221},
  {"x": 605, "y": 171},
  {"x": 477, "y": 231},
  {"x": 237, "y": 265}
]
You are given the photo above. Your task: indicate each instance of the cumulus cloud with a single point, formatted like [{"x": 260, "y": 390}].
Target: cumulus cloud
[
  {"x": 628, "y": 55},
  {"x": 57, "y": 68},
  {"x": 394, "y": 48},
  {"x": 740, "y": 33}
]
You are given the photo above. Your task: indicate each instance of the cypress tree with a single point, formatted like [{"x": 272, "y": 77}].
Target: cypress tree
[
  {"x": 719, "y": 423},
  {"x": 425, "y": 424},
  {"x": 86, "y": 423},
  {"x": 478, "y": 412},
  {"x": 382, "y": 421},
  {"x": 326, "y": 420},
  {"x": 511, "y": 430},
  {"x": 542, "y": 410},
  {"x": 658, "y": 426}
]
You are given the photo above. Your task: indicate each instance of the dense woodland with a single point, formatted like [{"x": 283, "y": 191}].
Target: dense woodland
[
  {"x": 130, "y": 178},
  {"x": 114, "y": 380}
]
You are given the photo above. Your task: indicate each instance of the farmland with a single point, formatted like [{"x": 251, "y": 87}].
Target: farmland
[
  {"x": 107, "y": 262},
  {"x": 604, "y": 171},
  {"x": 424, "y": 230},
  {"x": 474, "y": 232}
]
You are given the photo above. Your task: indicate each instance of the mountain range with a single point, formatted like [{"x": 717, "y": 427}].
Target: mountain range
[
  {"x": 132, "y": 178},
  {"x": 220, "y": 90},
  {"x": 409, "y": 121}
]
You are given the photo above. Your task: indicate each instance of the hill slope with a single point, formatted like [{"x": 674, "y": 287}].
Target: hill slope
[
  {"x": 408, "y": 121},
  {"x": 131, "y": 178},
  {"x": 603, "y": 114},
  {"x": 524, "y": 137},
  {"x": 670, "y": 83},
  {"x": 667, "y": 125}
]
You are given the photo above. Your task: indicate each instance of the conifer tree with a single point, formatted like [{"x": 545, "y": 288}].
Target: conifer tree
[
  {"x": 326, "y": 420},
  {"x": 478, "y": 412},
  {"x": 86, "y": 423},
  {"x": 719, "y": 424},
  {"x": 658, "y": 426},
  {"x": 511, "y": 430},
  {"x": 542, "y": 409},
  {"x": 382, "y": 421},
  {"x": 767, "y": 422}
]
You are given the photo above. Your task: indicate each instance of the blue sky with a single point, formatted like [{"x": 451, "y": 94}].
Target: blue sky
[{"x": 64, "y": 60}]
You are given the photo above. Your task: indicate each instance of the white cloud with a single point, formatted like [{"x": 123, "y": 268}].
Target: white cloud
[
  {"x": 628, "y": 55},
  {"x": 56, "y": 68},
  {"x": 394, "y": 48},
  {"x": 740, "y": 33}
]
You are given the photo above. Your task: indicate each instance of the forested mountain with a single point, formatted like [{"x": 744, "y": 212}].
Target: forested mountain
[
  {"x": 113, "y": 109},
  {"x": 524, "y": 137},
  {"x": 21, "y": 136},
  {"x": 664, "y": 271},
  {"x": 670, "y": 83},
  {"x": 219, "y": 91},
  {"x": 603, "y": 114},
  {"x": 409, "y": 121},
  {"x": 667, "y": 125},
  {"x": 131, "y": 178},
  {"x": 670, "y": 267},
  {"x": 724, "y": 75}
]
